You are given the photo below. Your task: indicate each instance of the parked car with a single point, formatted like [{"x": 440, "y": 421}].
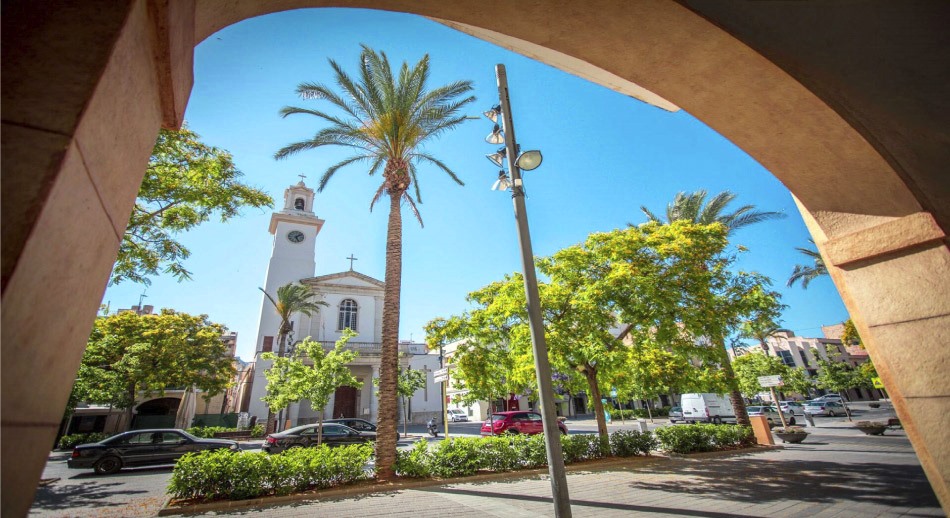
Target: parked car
[
  {"x": 829, "y": 397},
  {"x": 457, "y": 414},
  {"x": 334, "y": 434},
  {"x": 141, "y": 448},
  {"x": 771, "y": 414},
  {"x": 825, "y": 408},
  {"x": 517, "y": 422},
  {"x": 707, "y": 408},
  {"x": 792, "y": 407},
  {"x": 360, "y": 425},
  {"x": 676, "y": 414}
]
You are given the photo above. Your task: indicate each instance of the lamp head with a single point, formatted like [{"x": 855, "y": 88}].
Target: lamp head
[
  {"x": 503, "y": 183},
  {"x": 529, "y": 160},
  {"x": 496, "y": 136},
  {"x": 493, "y": 113},
  {"x": 498, "y": 157}
]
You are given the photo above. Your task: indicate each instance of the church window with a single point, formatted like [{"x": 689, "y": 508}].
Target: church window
[
  {"x": 348, "y": 314},
  {"x": 298, "y": 204},
  {"x": 268, "y": 344}
]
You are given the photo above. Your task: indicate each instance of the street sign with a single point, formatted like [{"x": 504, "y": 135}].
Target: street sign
[
  {"x": 440, "y": 379},
  {"x": 771, "y": 381},
  {"x": 441, "y": 373},
  {"x": 877, "y": 383}
]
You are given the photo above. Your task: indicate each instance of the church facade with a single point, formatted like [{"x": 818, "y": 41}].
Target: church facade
[{"x": 354, "y": 301}]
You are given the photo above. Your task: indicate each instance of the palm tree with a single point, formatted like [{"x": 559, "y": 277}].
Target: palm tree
[
  {"x": 694, "y": 208},
  {"x": 759, "y": 331},
  {"x": 291, "y": 298},
  {"x": 806, "y": 273},
  {"x": 385, "y": 120}
]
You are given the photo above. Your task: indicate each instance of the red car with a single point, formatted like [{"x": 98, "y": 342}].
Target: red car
[{"x": 517, "y": 422}]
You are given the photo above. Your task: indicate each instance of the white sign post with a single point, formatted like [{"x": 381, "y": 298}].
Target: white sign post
[
  {"x": 442, "y": 376},
  {"x": 771, "y": 382}
]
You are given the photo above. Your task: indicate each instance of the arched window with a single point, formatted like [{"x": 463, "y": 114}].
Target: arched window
[
  {"x": 348, "y": 314},
  {"x": 298, "y": 203}
]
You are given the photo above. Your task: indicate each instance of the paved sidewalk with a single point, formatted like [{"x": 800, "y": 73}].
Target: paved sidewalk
[{"x": 836, "y": 472}]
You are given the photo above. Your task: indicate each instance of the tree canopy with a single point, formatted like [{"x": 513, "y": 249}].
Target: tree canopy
[
  {"x": 186, "y": 183},
  {"x": 311, "y": 373},
  {"x": 130, "y": 355}
]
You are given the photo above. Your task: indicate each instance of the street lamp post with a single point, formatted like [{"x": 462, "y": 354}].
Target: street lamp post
[{"x": 528, "y": 161}]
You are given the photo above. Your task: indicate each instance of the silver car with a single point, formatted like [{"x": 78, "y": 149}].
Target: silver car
[
  {"x": 825, "y": 408},
  {"x": 771, "y": 414},
  {"x": 457, "y": 414}
]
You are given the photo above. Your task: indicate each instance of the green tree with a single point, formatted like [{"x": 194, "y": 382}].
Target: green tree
[
  {"x": 312, "y": 374},
  {"x": 409, "y": 382},
  {"x": 836, "y": 376},
  {"x": 186, "y": 183},
  {"x": 749, "y": 367},
  {"x": 850, "y": 335},
  {"x": 386, "y": 120},
  {"x": 291, "y": 299},
  {"x": 807, "y": 273},
  {"x": 761, "y": 329},
  {"x": 653, "y": 370},
  {"x": 694, "y": 208},
  {"x": 130, "y": 355}
]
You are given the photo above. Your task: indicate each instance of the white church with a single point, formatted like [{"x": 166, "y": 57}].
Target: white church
[{"x": 354, "y": 301}]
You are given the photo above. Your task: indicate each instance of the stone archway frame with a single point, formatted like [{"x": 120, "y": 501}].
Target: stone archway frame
[{"x": 86, "y": 87}]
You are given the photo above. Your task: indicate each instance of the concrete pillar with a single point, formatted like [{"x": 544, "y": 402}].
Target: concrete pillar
[
  {"x": 83, "y": 97},
  {"x": 893, "y": 277}
]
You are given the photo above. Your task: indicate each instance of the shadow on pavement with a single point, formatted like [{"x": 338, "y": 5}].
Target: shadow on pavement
[
  {"x": 756, "y": 480},
  {"x": 587, "y": 503},
  {"x": 91, "y": 494}
]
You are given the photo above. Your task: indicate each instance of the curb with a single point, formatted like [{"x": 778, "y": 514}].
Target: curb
[
  {"x": 760, "y": 448},
  {"x": 385, "y": 487}
]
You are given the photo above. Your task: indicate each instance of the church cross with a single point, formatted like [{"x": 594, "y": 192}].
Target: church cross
[
  {"x": 351, "y": 258},
  {"x": 302, "y": 176}
]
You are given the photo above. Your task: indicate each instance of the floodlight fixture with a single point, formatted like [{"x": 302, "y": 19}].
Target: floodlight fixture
[
  {"x": 502, "y": 183},
  {"x": 496, "y": 136},
  {"x": 498, "y": 157},
  {"x": 529, "y": 160},
  {"x": 493, "y": 113}
]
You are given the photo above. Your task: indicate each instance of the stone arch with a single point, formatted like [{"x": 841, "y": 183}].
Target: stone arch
[{"x": 866, "y": 165}]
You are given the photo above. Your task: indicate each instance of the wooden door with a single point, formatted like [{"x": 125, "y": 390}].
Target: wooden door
[{"x": 344, "y": 403}]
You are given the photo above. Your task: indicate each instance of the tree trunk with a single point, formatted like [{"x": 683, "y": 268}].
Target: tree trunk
[
  {"x": 389, "y": 360},
  {"x": 844, "y": 403},
  {"x": 742, "y": 416},
  {"x": 405, "y": 417},
  {"x": 320, "y": 427},
  {"x": 590, "y": 373}
]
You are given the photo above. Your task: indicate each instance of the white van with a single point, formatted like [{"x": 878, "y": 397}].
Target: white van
[{"x": 707, "y": 408}]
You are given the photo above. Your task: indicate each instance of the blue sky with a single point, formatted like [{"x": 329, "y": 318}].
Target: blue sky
[{"x": 605, "y": 155}]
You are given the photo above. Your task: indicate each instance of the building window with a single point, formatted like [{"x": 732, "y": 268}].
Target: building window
[
  {"x": 348, "y": 314},
  {"x": 786, "y": 357},
  {"x": 268, "y": 344}
]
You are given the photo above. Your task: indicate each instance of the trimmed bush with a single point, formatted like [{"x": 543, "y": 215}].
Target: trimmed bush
[
  {"x": 416, "y": 462},
  {"x": 459, "y": 457},
  {"x": 582, "y": 447},
  {"x": 223, "y": 474},
  {"x": 703, "y": 437},
  {"x": 67, "y": 442},
  {"x": 628, "y": 443}
]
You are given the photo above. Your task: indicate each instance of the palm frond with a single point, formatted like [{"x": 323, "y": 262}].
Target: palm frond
[
  {"x": 438, "y": 163},
  {"x": 412, "y": 207},
  {"x": 377, "y": 196},
  {"x": 335, "y": 167}
]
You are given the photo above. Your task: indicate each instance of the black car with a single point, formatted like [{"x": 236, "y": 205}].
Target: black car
[
  {"x": 141, "y": 448},
  {"x": 360, "y": 425},
  {"x": 334, "y": 434}
]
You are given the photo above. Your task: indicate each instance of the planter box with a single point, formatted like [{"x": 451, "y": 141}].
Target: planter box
[
  {"x": 872, "y": 430},
  {"x": 791, "y": 437}
]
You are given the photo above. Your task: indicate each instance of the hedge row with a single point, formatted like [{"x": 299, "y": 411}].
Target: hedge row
[
  {"x": 467, "y": 455},
  {"x": 704, "y": 437},
  {"x": 67, "y": 442},
  {"x": 208, "y": 432},
  {"x": 636, "y": 413},
  {"x": 223, "y": 473}
]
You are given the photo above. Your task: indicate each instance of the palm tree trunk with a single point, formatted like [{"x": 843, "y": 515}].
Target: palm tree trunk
[
  {"x": 742, "y": 416},
  {"x": 389, "y": 360}
]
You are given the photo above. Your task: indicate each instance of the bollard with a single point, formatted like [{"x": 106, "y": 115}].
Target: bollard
[
  {"x": 810, "y": 418},
  {"x": 642, "y": 425}
]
